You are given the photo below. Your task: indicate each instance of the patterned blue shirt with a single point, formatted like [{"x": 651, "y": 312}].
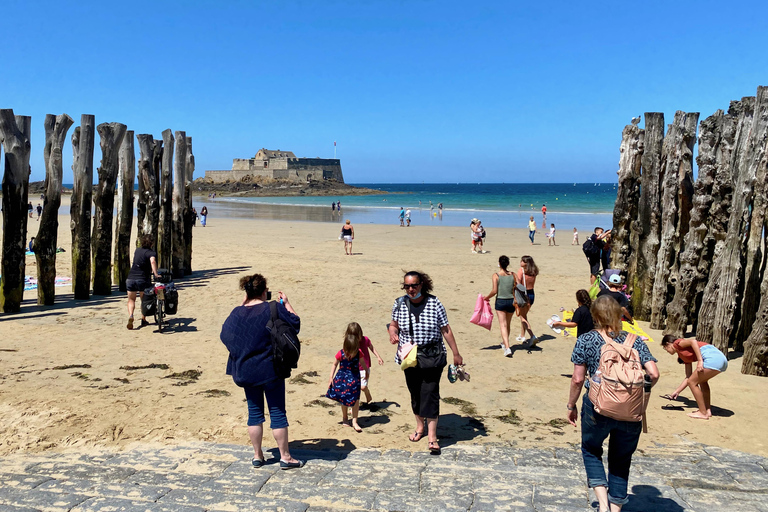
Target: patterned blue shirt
[{"x": 588, "y": 346}]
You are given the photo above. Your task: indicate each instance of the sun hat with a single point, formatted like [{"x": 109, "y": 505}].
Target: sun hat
[
  {"x": 615, "y": 279},
  {"x": 475, "y": 221}
]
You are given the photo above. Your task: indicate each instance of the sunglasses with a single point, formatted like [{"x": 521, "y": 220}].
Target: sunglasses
[{"x": 406, "y": 286}]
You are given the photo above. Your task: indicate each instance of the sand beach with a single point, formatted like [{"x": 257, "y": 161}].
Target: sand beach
[{"x": 72, "y": 375}]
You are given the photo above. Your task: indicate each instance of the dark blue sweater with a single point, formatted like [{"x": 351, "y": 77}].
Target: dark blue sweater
[{"x": 245, "y": 335}]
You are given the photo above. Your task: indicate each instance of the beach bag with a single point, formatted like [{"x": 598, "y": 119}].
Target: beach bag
[
  {"x": 590, "y": 250},
  {"x": 149, "y": 302},
  {"x": 171, "y": 299},
  {"x": 521, "y": 293},
  {"x": 617, "y": 389},
  {"x": 431, "y": 356},
  {"x": 595, "y": 288},
  {"x": 286, "y": 347},
  {"x": 483, "y": 315},
  {"x": 407, "y": 353}
]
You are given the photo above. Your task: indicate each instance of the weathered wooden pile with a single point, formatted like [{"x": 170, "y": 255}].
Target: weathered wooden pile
[
  {"x": 164, "y": 205},
  {"x": 694, "y": 252}
]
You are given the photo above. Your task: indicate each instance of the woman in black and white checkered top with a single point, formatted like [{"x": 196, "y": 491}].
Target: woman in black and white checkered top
[{"x": 420, "y": 318}]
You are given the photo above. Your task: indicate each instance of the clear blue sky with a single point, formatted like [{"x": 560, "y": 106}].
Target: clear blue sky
[{"x": 435, "y": 91}]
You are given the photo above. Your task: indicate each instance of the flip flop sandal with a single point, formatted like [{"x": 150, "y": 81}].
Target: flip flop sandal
[
  {"x": 667, "y": 397},
  {"x": 670, "y": 407},
  {"x": 416, "y": 436},
  {"x": 434, "y": 448}
]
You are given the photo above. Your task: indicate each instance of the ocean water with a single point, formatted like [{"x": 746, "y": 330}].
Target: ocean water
[{"x": 569, "y": 205}]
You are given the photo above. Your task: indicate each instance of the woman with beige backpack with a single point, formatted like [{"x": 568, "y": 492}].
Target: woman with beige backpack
[{"x": 614, "y": 405}]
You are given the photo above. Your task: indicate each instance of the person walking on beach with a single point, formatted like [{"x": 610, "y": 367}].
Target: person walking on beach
[
  {"x": 477, "y": 236},
  {"x": 203, "y": 216},
  {"x": 402, "y": 217},
  {"x": 575, "y": 237},
  {"x": 531, "y": 229},
  {"x": 592, "y": 249},
  {"x": 526, "y": 276},
  {"x": 544, "y": 214},
  {"x": 39, "y": 211},
  {"x": 333, "y": 206},
  {"x": 551, "y": 236},
  {"x": 348, "y": 234},
  {"x": 408, "y": 217},
  {"x": 582, "y": 317},
  {"x": 709, "y": 363},
  {"x": 30, "y": 209},
  {"x": 138, "y": 279},
  {"x": 419, "y": 318},
  {"x": 605, "y": 255},
  {"x": 366, "y": 347},
  {"x": 345, "y": 380},
  {"x": 503, "y": 285},
  {"x": 252, "y": 368},
  {"x": 611, "y": 493}
]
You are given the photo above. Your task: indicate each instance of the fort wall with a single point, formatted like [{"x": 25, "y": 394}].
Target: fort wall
[{"x": 286, "y": 168}]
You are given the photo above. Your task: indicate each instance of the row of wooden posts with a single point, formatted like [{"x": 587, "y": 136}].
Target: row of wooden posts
[
  {"x": 164, "y": 206},
  {"x": 694, "y": 252}
]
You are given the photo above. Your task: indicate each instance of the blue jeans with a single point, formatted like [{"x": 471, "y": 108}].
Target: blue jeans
[
  {"x": 275, "y": 392},
  {"x": 530, "y": 235},
  {"x": 624, "y": 436}
]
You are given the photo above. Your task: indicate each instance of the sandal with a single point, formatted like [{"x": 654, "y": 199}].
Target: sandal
[
  {"x": 434, "y": 448},
  {"x": 416, "y": 436}
]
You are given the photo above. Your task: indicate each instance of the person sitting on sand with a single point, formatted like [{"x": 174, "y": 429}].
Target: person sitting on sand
[
  {"x": 348, "y": 234},
  {"x": 138, "y": 279},
  {"x": 709, "y": 362},
  {"x": 582, "y": 317}
]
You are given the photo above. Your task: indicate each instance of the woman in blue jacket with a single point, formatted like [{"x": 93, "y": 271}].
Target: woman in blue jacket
[{"x": 245, "y": 335}]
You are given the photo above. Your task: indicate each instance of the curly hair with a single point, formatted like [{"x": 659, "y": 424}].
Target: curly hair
[
  {"x": 254, "y": 285},
  {"x": 424, "y": 279},
  {"x": 583, "y": 298}
]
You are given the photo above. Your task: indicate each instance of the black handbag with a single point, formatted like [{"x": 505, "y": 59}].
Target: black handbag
[{"x": 431, "y": 356}]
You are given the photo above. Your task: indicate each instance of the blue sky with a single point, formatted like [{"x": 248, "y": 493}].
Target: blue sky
[{"x": 434, "y": 91}]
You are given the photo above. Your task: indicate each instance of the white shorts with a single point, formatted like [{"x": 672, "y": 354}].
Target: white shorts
[
  {"x": 363, "y": 380},
  {"x": 347, "y": 238}
]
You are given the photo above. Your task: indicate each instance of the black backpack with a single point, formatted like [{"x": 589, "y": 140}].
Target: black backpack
[
  {"x": 286, "y": 347},
  {"x": 590, "y": 249}
]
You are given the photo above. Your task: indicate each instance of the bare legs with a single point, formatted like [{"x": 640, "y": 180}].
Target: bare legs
[
  {"x": 525, "y": 326},
  {"x": 345, "y": 417},
  {"x": 347, "y": 248},
  {"x": 504, "y": 320},
  {"x": 132, "y": 307},
  {"x": 601, "y": 492},
  {"x": 698, "y": 383},
  {"x": 431, "y": 427},
  {"x": 256, "y": 433}
]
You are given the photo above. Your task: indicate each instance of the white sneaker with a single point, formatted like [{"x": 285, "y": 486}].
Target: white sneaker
[
  {"x": 508, "y": 352},
  {"x": 520, "y": 338},
  {"x": 501, "y": 345}
]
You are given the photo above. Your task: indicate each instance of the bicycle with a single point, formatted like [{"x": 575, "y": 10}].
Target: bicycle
[{"x": 159, "y": 289}]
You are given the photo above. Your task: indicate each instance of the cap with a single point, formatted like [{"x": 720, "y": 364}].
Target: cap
[{"x": 615, "y": 279}]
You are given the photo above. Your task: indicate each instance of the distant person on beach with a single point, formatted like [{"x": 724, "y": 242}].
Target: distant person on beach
[
  {"x": 333, "y": 206},
  {"x": 582, "y": 317},
  {"x": 419, "y": 318},
  {"x": 203, "y": 216},
  {"x": 595, "y": 428},
  {"x": 551, "y": 236},
  {"x": 251, "y": 365},
  {"x": 31, "y": 244},
  {"x": 402, "y": 217},
  {"x": 138, "y": 279},
  {"x": 526, "y": 276},
  {"x": 348, "y": 234},
  {"x": 709, "y": 363},
  {"x": 605, "y": 255},
  {"x": 347, "y": 373},
  {"x": 531, "y": 229},
  {"x": 194, "y": 217},
  {"x": 503, "y": 283},
  {"x": 408, "y": 217},
  {"x": 614, "y": 290},
  {"x": 544, "y": 214},
  {"x": 30, "y": 209},
  {"x": 575, "y": 237},
  {"x": 440, "y": 206},
  {"x": 593, "y": 248},
  {"x": 338, "y": 206},
  {"x": 39, "y": 211},
  {"x": 477, "y": 236}
]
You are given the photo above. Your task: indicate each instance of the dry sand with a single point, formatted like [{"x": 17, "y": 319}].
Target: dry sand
[{"x": 518, "y": 401}]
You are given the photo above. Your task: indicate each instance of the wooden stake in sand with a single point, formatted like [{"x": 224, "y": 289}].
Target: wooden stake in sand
[
  {"x": 625, "y": 212},
  {"x": 165, "y": 224},
  {"x": 147, "y": 204},
  {"x": 178, "y": 206},
  {"x": 126, "y": 175},
  {"x": 189, "y": 216},
  {"x": 110, "y": 139},
  {"x": 80, "y": 208},
  {"x": 14, "y": 136},
  {"x": 46, "y": 241}
]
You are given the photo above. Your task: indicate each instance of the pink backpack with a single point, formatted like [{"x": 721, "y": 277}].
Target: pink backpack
[{"x": 616, "y": 390}]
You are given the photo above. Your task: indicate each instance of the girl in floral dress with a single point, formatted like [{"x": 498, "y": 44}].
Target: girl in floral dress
[{"x": 344, "y": 383}]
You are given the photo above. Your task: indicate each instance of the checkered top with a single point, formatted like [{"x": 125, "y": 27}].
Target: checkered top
[{"x": 427, "y": 330}]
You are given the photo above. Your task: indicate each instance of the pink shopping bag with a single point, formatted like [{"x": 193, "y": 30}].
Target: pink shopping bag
[{"x": 483, "y": 315}]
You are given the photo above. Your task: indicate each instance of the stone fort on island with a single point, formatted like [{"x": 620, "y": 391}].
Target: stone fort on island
[{"x": 279, "y": 165}]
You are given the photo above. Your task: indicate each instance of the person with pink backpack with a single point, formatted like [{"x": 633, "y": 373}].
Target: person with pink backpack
[{"x": 621, "y": 372}]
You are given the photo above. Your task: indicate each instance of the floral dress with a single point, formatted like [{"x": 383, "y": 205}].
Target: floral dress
[{"x": 345, "y": 387}]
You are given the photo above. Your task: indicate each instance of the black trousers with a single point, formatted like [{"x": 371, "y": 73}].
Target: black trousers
[{"x": 424, "y": 386}]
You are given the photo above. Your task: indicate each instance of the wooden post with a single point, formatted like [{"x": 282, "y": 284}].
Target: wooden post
[
  {"x": 189, "y": 216},
  {"x": 721, "y": 297},
  {"x": 110, "y": 139},
  {"x": 165, "y": 225},
  {"x": 125, "y": 178},
  {"x": 677, "y": 154},
  {"x": 80, "y": 208},
  {"x": 697, "y": 248},
  {"x": 755, "y": 261},
  {"x": 146, "y": 207},
  {"x": 178, "y": 205},
  {"x": 46, "y": 241},
  {"x": 625, "y": 212},
  {"x": 14, "y": 136},
  {"x": 755, "y": 359},
  {"x": 649, "y": 216}
]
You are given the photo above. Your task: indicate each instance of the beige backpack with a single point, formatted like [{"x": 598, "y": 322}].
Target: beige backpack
[{"x": 617, "y": 390}]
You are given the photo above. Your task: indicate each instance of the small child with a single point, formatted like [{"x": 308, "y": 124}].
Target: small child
[
  {"x": 365, "y": 344},
  {"x": 344, "y": 384},
  {"x": 575, "y": 237},
  {"x": 551, "y": 236}
]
